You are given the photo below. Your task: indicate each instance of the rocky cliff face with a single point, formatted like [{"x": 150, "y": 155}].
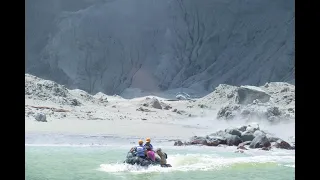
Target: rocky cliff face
[{"x": 155, "y": 45}]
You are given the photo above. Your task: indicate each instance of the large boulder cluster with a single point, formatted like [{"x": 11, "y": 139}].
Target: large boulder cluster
[{"x": 244, "y": 137}]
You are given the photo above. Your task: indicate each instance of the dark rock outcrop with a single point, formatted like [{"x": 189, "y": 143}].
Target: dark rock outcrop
[
  {"x": 178, "y": 143},
  {"x": 242, "y": 128},
  {"x": 260, "y": 142},
  {"x": 233, "y": 132},
  {"x": 197, "y": 140},
  {"x": 233, "y": 140},
  {"x": 282, "y": 144},
  {"x": 247, "y": 136},
  {"x": 252, "y": 137}
]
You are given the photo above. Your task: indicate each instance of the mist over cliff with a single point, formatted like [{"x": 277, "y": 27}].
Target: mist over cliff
[{"x": 159, "y": 45}]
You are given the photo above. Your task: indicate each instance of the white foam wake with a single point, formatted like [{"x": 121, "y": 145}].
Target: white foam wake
[{"x": 200, "y": 162}]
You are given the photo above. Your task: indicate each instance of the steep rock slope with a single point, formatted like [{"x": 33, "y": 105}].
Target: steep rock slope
[{"x": 110, "y": 45}]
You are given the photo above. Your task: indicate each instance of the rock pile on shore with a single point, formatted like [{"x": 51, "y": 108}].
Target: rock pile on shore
[{"x": 244, "y": 137}]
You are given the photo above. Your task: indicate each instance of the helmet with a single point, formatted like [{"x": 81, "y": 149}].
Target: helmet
[
  {"x": 140, "y": 142},
  {"x": 148, "y": 140}
]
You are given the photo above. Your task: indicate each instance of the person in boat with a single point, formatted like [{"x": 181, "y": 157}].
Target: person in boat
[
  {"x": 163, "y": 158},
  {"x": 150, "y": 154},
  {"x": 139, "y": 150},
  {"x": 148, "y": 143}
]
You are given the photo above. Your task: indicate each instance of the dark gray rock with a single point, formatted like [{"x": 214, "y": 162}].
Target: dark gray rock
[
  {"x": 213, "y": 142},
  {"x": 197, "y": 140},
  {"x": 260, "y": 142},
  {"x": 247, "y": 136},
  {"x": 178, "y": 143},
  {"x": 242, "y": 128},
  {"x": 282, "y": 144},
  {"x": 233, "y": 132},
  {"x": 233, "y": 140},
  {"x": 221, "y": 139}
]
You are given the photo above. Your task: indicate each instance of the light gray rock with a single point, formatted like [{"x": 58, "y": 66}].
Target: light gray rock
[
  {"x": 41, "y": 117},
  {"x": 247, "y": 94}
]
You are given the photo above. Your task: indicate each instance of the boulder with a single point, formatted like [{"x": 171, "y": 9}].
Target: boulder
[
  {"x": 220, "y": 139},
  {"x": 41, "y": 117},
  {"x": 197, "y": 140},
  {"x": 252, "y": 129},
  {"x": 258, "y": 133},
  {"x": 282, "y": 144},
  {"x": 220, "y": 135},
  {"x": 247, "y": 136},
  {"x": 178, "y": 143},
  {"x": 247, "y": 94},
  {"x": 260, "y": 142},
  {"x": 233, "y": 140},
  {"x": 242, "y": 128},
  {"x": 213, "y": 142},
  {"x": 233, "y": 132}
]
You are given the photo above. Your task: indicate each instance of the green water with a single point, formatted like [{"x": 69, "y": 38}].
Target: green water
[{"x": 196, "y": 163}]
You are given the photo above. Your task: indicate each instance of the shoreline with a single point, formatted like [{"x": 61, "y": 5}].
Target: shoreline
[{"x": 123, "y": 128}]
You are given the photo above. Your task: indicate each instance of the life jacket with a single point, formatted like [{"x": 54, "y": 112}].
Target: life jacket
[
  {"x": 140, "y": 151},
  {"x": 151, "y": 155},
  {"x": 150, "y": 145}
]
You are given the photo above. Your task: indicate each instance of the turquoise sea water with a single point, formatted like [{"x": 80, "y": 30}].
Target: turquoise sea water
[{"x": 66, "y": 157}]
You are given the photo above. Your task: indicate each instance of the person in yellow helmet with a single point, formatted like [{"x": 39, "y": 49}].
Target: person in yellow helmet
[
  {"x": 139, "y": 150},
  {"x": 148, "y": 143}
]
